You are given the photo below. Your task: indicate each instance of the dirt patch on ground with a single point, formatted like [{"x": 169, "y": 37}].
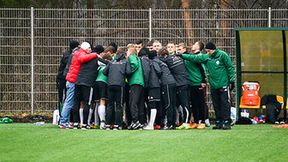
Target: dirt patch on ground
[{"x": 28, "y": 118}]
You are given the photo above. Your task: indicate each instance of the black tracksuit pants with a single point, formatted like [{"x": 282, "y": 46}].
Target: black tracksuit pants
[
  {"x": 221, "y": 104},
  {"x": 169, "y": 103},
  {"x": 198, "y": 103},
  {"x": 61, "y": 86},
  {"x": 115, "y": 105},
  {"x": 182, "y": 97},
  {"x": 136, "y": 103},
  {"x": 126, "y": 100}
]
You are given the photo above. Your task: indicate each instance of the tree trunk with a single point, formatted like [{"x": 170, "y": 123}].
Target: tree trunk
[
  {"x": 90, "y": 5},
  {"x": 187, "y": 21},
  {"x": 224, "y": 24}
]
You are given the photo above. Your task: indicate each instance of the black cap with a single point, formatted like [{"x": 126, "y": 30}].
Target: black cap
[
  {"x": 98, "y": 49},
  {"x": 152, "y": 54},
  {"x": 73, "y": 44},
  {"x": 210, "y": 46},
  {"x": 143, "y": 52}
]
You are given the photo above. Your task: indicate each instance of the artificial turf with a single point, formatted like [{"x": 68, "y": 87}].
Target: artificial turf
[{"x": 29, "y": 142}]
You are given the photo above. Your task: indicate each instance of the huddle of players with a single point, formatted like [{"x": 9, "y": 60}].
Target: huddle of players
[{"x": 143, "y": 87}]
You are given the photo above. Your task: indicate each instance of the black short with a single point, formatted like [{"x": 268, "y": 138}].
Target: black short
[
  {"x": 154, "y": 94},
  {"x": 83, "y": 93},
  {"x": 100, "y": 91}
]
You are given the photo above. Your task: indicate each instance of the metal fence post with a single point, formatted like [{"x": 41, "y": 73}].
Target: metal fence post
[
  {"x": 269, "y": 17},
  {"x": 32, "y": 60},
  {"x": 150, "y": 24}
]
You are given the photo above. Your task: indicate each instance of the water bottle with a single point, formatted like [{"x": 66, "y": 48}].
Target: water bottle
[{"x": 39, "y": 123}]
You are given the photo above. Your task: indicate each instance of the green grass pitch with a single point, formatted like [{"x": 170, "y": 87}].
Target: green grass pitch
[{"x": 28, "y": 142}]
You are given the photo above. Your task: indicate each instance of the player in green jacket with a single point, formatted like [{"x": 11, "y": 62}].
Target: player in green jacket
[
  {"x": 197, "y": 77},
  {"x": 136, "y": 83},
  {"x": 221, "y": 79}
]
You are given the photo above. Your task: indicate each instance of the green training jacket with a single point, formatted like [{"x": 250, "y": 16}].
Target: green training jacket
[
  {"x": 137, "y": 72},
  {"x": 194, "y": 72},
  {"x": 101, "y": 77},
  {"x": 220, "y": 67}
]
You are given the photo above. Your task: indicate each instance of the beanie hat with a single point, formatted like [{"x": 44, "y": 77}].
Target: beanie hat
[
  {"x": 85, "y": 45},
  {"x": 73, "y": 44},
  {"x": 152, "y": 54},
  {"x": 210, "y": 46},
  {"x": 98, "y": 49},
  {"x": 143, "y": 52}
]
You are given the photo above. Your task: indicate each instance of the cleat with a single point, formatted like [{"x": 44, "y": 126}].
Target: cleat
[
  {"x": 149, "y": 127},
  {"x": 194, "y": 126},
  {"x": 218, "y": 125},
  {"x": 75, "y": 126},
  {"x": 71, "y": 126},
  {"x": 131, "y": 126},
  {"x": 226, "y": 127},
  {"x": 180, "y": 127},
  {"x": 201, "y": 126},
  {"x": 107, "y": 127},
  {"x": 93, "y": 126},
  {"x": 116, "y": 127},
  {"x": 83, "y": 127},
  {"x": 102, "y": 125},
  {"x": 171, "y": 127},
  {"x": 63, "y": 126},
  {"x": 157, "y": 127},
  {"x": 183, "y": 126},
  {"x": 140, "y": 126},
  {"x": 135, "y": 125}
]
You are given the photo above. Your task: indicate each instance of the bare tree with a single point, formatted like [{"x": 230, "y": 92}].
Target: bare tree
[
  {"x": 224, "y": 24},
  {"x": 187, "y": 20}
]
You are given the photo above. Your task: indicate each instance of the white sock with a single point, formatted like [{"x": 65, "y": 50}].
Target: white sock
[
  {"x": 81, "y": 115},
  {"x": 187, "y": 114},
  {"x": 90, "y": 116},
  {"x": 101, "y": 112},
  {"x": 96, "y": 117},
  {"x": 153, "y": 113}
]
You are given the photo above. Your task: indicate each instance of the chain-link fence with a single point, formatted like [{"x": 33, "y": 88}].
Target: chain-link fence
[{"x": 32, "y": 41}]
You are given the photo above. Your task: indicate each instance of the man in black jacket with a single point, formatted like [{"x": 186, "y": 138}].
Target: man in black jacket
[
  {"x": 145, "y": 62},
  {"x": 154, "y": 94},
  {"x": 178, "y": 70},
  {"x": 60, "y": 80},
  {"x": 84, "y": 91},
  {"x": 116, "y": 72},
  {"x": 168, "y": 92}
]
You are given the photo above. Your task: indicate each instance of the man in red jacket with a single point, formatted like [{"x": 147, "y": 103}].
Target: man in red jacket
[{"x": 79, "y": 57}]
